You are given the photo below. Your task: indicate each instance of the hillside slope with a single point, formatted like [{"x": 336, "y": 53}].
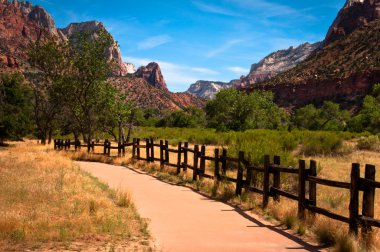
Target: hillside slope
[
  {"x": 145, "y": 95},
  {"x": 343, "y": 71}
]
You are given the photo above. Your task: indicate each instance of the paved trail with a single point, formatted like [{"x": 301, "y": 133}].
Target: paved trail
[{"x": 183, "y": 220}]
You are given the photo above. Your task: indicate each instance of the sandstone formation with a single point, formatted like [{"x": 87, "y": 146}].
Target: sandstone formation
[
  {"x": 279, "y": 62},
  {"x": 354, "y": 14},
  {"x": 113, "y": 53},
  {"x": 152, "y": 74},
  {"x": 130, "y": 68},
  {"x": 20, "y": 24},
  {"x": 208, "y": 89}
]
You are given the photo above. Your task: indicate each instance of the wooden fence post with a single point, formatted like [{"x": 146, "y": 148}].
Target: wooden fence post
[
  {"x": 134, "y": 148},
  {"x": 76, "y": 144},
  {"x": 79, "y": 144},
  {"x": 368, "y": 198},
  {"x": 69, "y": 144},
  {"x": 216, "y": 170},
  {"x": 179, "y": 158},
  {"x": 266, "y": 181},
  {"x": 119, "y": 149},
  {"x": 138, "y": 148},
  {"x": 162, "y": 154},
  {"x": 152, "y": 150},
  {"x": 239, "y": 182},
  {"x": 93, "y": 146},
  {"x": 354, "y": 198},
  {"x": 88, "y": 146},
  {"x": 147, "y": 149},
  {"x": 196, "y": 153},
  {"x": 313, "y": 185},
  {"x": 185, "y": 156},
  {"x": 55, "y": 144},
  {"x": 224, "y": 162},
  {"x": 301, "y": 189},
  {"x": 167, "y": 158},
  {"x": 202, "y": 167},
  {"x": 109, "y": 148},
  {"x": 123, "y": 148},
  {"x": 276, "y": 178}
]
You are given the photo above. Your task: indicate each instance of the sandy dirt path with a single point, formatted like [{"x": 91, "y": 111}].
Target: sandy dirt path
[{"x": 183, "y": 220}]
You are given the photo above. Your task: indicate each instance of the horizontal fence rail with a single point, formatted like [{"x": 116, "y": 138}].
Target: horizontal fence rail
[{"x": 247, "y": 178}]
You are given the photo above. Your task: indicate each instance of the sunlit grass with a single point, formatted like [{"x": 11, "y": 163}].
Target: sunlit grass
[{"x": 47, "y": 199}]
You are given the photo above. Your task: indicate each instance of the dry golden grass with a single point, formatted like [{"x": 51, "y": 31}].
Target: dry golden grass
[{"x": 48, "y": 203}]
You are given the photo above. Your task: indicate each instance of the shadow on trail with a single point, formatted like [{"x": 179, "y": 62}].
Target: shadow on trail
[{"x": 258, "y": 224}]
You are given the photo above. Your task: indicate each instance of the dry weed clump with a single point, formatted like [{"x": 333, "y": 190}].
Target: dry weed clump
[{"x": 47, "y": 199}]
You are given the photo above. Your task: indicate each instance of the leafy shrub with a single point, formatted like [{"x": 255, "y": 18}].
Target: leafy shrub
[{"x": 322, "y": 144}]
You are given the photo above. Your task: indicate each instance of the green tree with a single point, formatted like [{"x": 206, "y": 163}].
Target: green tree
[
  {"x": 53, "y": 61},
  {"x": 117, "y": 114},
  {"x": 328, "y": 117},
  {"x": 15, "y": 107},
  {"x": 234, "y": 110},
  {"x": 307, "y": 118},
  {"x": 368, "y": 119},
  {"x": 87, "y": 91}
]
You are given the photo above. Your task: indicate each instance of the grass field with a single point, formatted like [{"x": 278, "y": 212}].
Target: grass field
[{"x": 48, "y": 203}]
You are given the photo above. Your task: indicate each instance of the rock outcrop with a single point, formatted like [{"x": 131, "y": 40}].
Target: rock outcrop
[
  {"x": 208, "y": 89},
  {"x": 152, "y": 74},
  {"x": 279, "y": 62},
  {"x": 130, "y": 68},
  {"x": 20, "y": 24},
  {"x": 113, "y": 53},
  {"x": 354, "y": 14}
]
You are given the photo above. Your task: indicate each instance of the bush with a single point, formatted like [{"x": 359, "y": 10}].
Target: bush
[
  {"x": 322, "y": 144},
  {"x": 369, "y": 143}
]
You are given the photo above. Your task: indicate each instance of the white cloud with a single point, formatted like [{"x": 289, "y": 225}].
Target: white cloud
[
  {"x": 203, "y": 70},
  {"x": 270, "y": 9},
  {"x": 227, "y": 45},
  {"x": 238, "y": 70},
  {"x": 153, "y": 42},
  {"x": 214, "y": 9},
  {"x": 178, "y": 77}
]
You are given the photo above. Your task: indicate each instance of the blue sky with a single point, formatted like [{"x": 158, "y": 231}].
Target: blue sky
[{"x": 198, "y": 39}]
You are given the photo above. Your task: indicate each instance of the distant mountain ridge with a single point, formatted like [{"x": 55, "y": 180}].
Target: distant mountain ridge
[
  {"x": 208, "y": 89},
  {"x": 279, "y": 62},
  {"x": 272, "y": 65}
]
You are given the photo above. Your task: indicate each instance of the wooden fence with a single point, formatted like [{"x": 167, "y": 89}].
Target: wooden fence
[{"x": 246, "y": 177}]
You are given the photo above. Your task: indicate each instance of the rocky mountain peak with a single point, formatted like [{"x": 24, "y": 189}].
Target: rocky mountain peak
[
  {"x": 94, "y": 27},
  {"x": 208, "y": 89},
  {"x": 152, "y": 74},
  {"x": 353, "y": 15},
  {"x": 40, "y": 16},
  {"x": 279, "y": 62}
]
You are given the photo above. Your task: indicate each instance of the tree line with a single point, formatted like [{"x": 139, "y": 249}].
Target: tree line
[{"x": 237, "y": 111}]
